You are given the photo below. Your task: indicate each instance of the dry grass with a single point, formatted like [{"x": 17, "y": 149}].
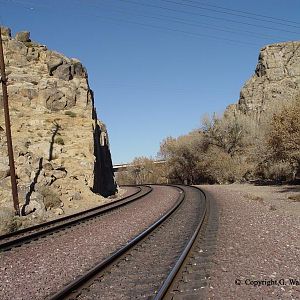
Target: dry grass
[
  {"x": 60, "y": 141},
  {"x": 51, "y": 199},
  {"x": 254, "y": 197},
  {"x": 70, "y": 114},
  {"x": 295, "y": 198},
  {"x": 7, "y": 221}
]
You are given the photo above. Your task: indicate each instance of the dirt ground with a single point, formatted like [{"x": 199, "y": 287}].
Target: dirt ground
[
  {"x": 282, "y": 198},
  {"x": 90, "y": 203},
  {"x": 9, "y": 223},
  {"x": 258, "y": 242}
]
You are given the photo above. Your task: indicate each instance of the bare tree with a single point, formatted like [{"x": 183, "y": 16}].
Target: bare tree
[{"x": 284, "y": 136}]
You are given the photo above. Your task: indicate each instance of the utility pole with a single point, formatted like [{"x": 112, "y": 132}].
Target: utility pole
[{"x": 3, "y": 80}]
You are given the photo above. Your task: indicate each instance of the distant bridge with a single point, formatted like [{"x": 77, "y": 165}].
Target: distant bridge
[{"x": 123, "y": 167}]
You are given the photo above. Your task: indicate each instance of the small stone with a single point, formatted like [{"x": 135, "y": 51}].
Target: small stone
[
  {"x": 58, "y": 211},
  {"x": 21, "y": 160},
  {"x": 58, "y": 174},
  {"x": 48, "y": 167},
  {"x": 77, "y": 196}
]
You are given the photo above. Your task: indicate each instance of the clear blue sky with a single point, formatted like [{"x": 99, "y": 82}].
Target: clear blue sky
[{"x": 156, "y": 66}]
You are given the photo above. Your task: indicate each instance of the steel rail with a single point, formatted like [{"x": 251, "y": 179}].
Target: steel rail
[
  {"x": 101, "y": 266},
  {"x": 31, "y": 233},
  {"x": 14, "y": 233},
  {"x": 169, "y": 280}
]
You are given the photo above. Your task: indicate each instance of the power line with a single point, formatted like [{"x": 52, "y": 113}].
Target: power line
[
  {"x": 248, "y": 13},
  {"x": 227, "y": 13},
  {"x": 184, "y": 32},
  {"x": 203, "y": 25},
  {"x": 149, "y": 26},
  {"x": 183, "y": 21},
  {"x": 173, "y": 19},
  {"x": 207, "y": 16}
]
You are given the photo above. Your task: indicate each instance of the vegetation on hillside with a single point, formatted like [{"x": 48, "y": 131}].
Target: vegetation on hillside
[
  {"x": 143, "y": 170},
  {"x": 227, "y": 149}
]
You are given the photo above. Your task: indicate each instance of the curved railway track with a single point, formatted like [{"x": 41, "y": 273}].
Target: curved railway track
[
  {"x": 39, "y": 269},
  {"x": 147, "y": 265},
  {"x": 191, "y": 278},
  {"x": 26, "y": 235}
]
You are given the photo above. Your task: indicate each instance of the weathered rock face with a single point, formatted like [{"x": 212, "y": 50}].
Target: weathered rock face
[
  {"x": 58, "y": 140},
  {"x": 276, "y": 79}
]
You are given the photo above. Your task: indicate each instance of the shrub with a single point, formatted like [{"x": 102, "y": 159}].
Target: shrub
[
  {"x": 231, "y": 132},
  {"x": 50, "y": 198},
  {"x": 59, "y": 140},
  {"x": 295, "y": 198},
  {"x": 284, "y": 136},
  {"x": 125, "y": 178},
  {"x": 70, "y": 114},
  {"x": 236, "y": 147},
  {"x": 182, "y": 155},
  {"x": 220, "y": 167},
  {"x": 278, "y": 171},
  {"x": 8, "y": 222},
  {"x": 30, "y": 44},
  {"x": 142, "y": 170}
]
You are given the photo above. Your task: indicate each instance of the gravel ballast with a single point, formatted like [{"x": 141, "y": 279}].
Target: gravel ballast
[
  {"x": 258, "y": 246},
  {"x": 36, "y": 270}
]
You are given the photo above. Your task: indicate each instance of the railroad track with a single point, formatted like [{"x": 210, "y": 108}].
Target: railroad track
[
  {"x": 27, "y": 235},
  {"x": 146, "y": 267},
  {"x": 190, "y": 278}
]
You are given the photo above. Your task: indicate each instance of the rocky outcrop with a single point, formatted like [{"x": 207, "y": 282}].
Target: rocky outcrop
[
  {"x": 276, "y": 80},
  {"x": 60, "y": 146}
]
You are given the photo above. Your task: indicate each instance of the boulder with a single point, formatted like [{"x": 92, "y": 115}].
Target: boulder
[
  {"x": 38, "y": 208},
  {"x": 53, "y": 99},
  {"x": 23, "y": 36},
  {"x": 63, "y": 72},
  {"x": 58, "y": 174},
  {"x": 78, "y": 70},
  {"x": 48, "y": 166},
  {"x": 58, "y": 211},
  {"x": 53, "y": 64},
  {"x": 23, "y": 173},
  {"x": 5, "y": 32}
]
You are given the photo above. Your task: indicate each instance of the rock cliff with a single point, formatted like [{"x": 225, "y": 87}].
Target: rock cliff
[
  {"x": 61, "y": 148},
  {"x": 276, "y": 80}
]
